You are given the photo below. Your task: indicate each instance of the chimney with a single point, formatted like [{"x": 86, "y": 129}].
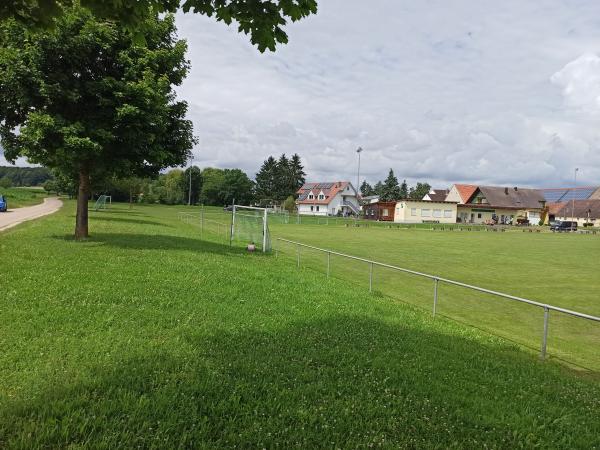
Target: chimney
[{"x": 506, "y": 191}]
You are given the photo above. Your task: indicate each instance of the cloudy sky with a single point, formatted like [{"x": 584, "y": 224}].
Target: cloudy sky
[{"x": 502, "y": 92}]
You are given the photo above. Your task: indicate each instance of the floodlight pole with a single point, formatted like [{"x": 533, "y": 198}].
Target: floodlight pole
[
  {"x": 190, "y": 189},
  {"x": 573, "y": 196},
  {"x": 358, "y": 150}
]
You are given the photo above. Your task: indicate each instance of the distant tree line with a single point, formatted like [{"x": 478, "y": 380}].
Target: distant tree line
[
  {"x": 23, "y": 176},
  {"x": 276, "y": 184},
  {"x": 390, "y": 190}
]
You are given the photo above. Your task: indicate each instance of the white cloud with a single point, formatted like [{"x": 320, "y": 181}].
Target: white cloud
[
  {"x": 580, "y": 83},
  {"x": 485, "y": 91}
]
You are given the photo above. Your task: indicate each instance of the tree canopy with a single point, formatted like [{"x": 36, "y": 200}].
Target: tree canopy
[
  {"x": 279, "y": 179},
  {"x": 86, "y": 100},
  {"x": 263, "y": 20},
  {"x": 390, "y": 190}
]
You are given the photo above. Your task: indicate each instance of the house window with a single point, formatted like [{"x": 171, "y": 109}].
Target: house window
[
  {"x": 317, "y": 207},
  {"x": 437, "y": 213},
  {"x": 479, "y": 215},
  {"x": 310, "y": 196},
  {"x": 413, "y": 211},
  {"x": 425, "y": 213},
  {"x": 386, "y": 212},
  {"x": 312, "y": 208},
  {"x": 447, "y": 213},
  {"x": 321, "y": 196}
]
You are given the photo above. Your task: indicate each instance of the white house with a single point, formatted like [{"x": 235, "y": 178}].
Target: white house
[{"x": 328, "y": 199}]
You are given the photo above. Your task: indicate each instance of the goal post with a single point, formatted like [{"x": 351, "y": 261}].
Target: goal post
[
  {"x": 250, "y": 224},
  {"x": 101, "y": 202}
]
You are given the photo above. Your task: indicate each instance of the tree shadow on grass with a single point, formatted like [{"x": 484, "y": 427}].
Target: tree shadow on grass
[
  {"x": 342, "y": 382},
  {"x": 137, "y": 241},
  {"x": 133, "y": 221}
]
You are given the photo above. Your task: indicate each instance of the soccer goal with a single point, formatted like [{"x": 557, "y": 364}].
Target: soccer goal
[
  {"x": 102, "y": 201},
  {"x": 250, "y": 225}
]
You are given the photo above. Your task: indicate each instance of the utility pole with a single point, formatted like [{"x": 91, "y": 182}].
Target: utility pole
[
  {"x": 190, "y": 189},
  {"x": 573, "y": 196}
]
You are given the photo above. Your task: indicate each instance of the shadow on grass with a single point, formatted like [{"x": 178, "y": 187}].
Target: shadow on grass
[
  {"x": 342, "y": 382},
  {"x": 127, "y": 220},
  {"x": 136, "y": 241}
]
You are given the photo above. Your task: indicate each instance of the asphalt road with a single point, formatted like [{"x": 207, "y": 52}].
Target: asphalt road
[{"x": 16, "y": 216}]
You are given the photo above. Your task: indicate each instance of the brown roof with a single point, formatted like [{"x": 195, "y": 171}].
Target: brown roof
[
  {"x": 554, "y": 208},
  {"x": 330, "y": 189},
  {"x": 506, "y": 197},
  {"x": 581, "y": 209},
  {"x": 465, "y": 191},
  {"x": 438, "y": 195}
]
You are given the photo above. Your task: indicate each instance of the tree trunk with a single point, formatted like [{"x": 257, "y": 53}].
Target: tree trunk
[
  {"x": 81, "y": 221},
  {"x": 130, "y": 197}
]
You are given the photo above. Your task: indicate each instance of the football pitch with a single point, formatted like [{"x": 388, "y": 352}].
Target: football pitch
[
  {"x": 149, "y": 335},
  {"x": 556, "y": 269}
]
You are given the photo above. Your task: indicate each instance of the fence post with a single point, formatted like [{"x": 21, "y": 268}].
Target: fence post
[
  {"x": 370, "y": 277},
  {"x": 435, "y": 294},
  {"x": 298, "y": 256},
  {"x": 328, "y": 263},
  {"x": 545, "y": 336}
]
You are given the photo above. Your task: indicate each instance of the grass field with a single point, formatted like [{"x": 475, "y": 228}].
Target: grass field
[
  {"x": 558, "y": 269},
  {"x": 23, "y": 196},
  {"x": 146, "y": 336}
]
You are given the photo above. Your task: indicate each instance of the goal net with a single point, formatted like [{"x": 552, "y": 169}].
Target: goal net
[
  {"x": 102, "y": 201},
  {"x": 249, "y": 225}
]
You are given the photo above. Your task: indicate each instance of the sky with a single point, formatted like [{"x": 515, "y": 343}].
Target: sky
[{"x": 478, "y": 91}]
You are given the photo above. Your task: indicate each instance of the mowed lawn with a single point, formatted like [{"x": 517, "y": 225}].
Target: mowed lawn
[
  {"x": 146, "y": 336},
  {"x": 558, "y": 269}
]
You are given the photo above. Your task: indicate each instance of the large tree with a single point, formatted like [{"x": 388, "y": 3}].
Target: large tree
[
  {"x": 419, "y": 191},
  {"x": 87, "y": 100},
  {"x": 263, "y": 20},
  {"x": 297, "y": 173},
  {"x": 366, "y": 189},
  {"x": 266, "y": 180},
  {"x": 391, "y": 190}
]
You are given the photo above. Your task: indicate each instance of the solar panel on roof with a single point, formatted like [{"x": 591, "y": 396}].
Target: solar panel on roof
[
  {"x": 554, "y": 195},
  {"x": 303, "y": 196}
]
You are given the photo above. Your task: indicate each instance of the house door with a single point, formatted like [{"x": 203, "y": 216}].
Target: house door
[{"x": 472, "y": 217}]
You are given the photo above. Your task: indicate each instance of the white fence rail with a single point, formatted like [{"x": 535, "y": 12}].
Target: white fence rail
[{"x": 437, "y": 279}]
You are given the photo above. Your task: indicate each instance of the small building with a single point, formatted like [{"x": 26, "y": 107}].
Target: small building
[
  {"x": 425, "y": 211},
  {"x": 382, "y": 211},
  {"x": 580, "y": 211},
  {"x": 328, "y": 199},
  {"x": 502, "y": 205}
]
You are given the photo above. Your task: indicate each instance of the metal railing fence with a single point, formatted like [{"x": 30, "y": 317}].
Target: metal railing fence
[{"x": 437, "y": 279}]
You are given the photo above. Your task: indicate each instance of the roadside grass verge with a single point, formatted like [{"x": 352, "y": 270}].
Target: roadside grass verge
[
  {"x": 23, "y": 196},
  {"x": 147, "y": 336}
]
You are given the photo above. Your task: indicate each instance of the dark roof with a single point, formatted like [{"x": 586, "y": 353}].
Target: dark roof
[
  {"x": 438, "y": 195},
  {"x": 508, "y": 197},
  {"x": 558, "y": 195},
  {"x": 581, "y": 209}
]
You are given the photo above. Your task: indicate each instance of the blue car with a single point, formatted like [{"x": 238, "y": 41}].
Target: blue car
[{"x": 3, "y": 203}]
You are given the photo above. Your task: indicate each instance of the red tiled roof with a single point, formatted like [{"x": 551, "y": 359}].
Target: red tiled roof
[
  {"x": 329, "y": 189},
  {"x": 465, "y": 191}
]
